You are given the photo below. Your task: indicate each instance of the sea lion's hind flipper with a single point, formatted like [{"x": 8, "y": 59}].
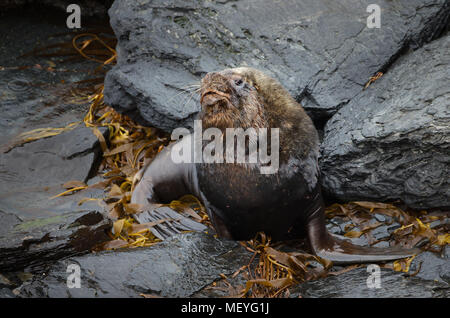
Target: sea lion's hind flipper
[{"x": 343, "y": 252}]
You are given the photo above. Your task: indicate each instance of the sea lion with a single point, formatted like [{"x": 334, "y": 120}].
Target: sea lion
[{"x": 240, "y": 200}]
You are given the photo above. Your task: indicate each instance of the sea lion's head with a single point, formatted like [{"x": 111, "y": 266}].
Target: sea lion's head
[
  {"x": 245, "y": 97},
  {"x": 230, "y": 99}
]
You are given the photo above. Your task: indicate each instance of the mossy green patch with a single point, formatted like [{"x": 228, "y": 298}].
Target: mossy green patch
[{"x": 38, "y": 223}]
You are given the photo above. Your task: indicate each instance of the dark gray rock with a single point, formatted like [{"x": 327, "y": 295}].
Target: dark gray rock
[
  {"x": 320, "y": 50},
  {"x": 354, "y": 284},
  {"x": 177, "y": 267},
  {"x": 32, "y": 244},
  {"x": 432, "y": 266},
  {"x": 31, "y": 174},
  {"x": 37, "y": 92},
  {"x": 33, "y": 96},
  {"x": 6, "y": 293},
  {"x": 392, "y": 141}
]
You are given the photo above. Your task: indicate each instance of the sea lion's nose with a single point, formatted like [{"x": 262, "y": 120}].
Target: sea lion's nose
[
  {"x": 211, "y": 100},
  {"x": 214, "y": 90}
]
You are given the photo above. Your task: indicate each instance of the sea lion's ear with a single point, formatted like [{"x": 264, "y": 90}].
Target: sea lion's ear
[{"x": 256, "y": 87}]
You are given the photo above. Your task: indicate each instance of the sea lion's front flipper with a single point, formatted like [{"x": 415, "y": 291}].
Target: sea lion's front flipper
[
  {"x": 161, "y": 182},
  {"x": 168, "y": 222},
  {"x": 344, "y": 252}
]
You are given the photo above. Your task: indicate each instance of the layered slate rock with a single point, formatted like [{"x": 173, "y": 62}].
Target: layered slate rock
[
  {"x": 178, "y": 267},
  {"x": 392, "y": 141},
  {"x": 433, "y": 267},
  {"x": 35, "y": 243},
  {"x": 320, "y": 50}
]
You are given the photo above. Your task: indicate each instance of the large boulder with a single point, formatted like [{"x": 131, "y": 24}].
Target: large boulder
[
  {"x": 321, "y": 50},
  {"x": 392, "y": 141}
]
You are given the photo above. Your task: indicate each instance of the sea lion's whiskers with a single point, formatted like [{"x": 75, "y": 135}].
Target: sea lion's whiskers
[
  {"x": 191, "y": 85},
  {"x": 184, "y": 91},
  {"x": 190, "y": 97}
]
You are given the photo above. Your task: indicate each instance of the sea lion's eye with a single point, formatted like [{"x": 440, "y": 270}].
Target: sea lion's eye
[{"x": 238, "y": 82}]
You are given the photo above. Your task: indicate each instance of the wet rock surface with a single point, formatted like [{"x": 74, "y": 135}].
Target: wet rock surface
[
  {"x": 354, "y": 284},
  {"x": 321, "y": 51},
  {"x": 392, "y": 141},
  {"x": 33, "y": 173},
  {"x": 177, "y": 267},
  {"x": 433, "y": 267},
  {"x": 38, "y": 92},
  {"x": 428, "y": 277},
  {"x": 34, "y": 243},
  {"x": 431, "y": 281}
]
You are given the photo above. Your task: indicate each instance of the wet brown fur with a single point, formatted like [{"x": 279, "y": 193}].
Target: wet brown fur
[{"x": 239, "y": 199}]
